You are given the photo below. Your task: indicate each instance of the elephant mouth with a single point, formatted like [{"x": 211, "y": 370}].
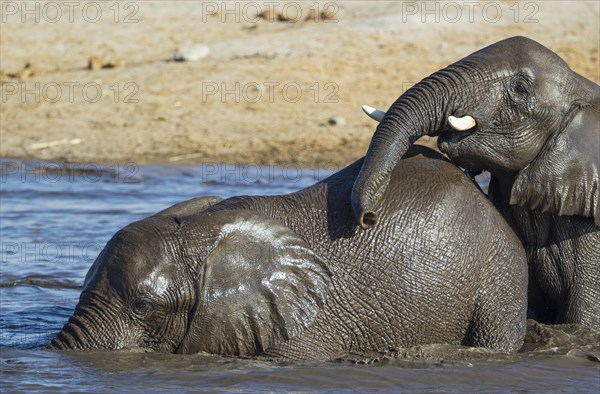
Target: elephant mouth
[
  {"x": 459, "y": 147},
  {"x": 449, "y": 140}
]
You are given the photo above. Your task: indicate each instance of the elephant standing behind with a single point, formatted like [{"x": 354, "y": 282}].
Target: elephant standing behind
[
  {"x": 515, "y": 109},
  {"x": 293, "y": 277}
]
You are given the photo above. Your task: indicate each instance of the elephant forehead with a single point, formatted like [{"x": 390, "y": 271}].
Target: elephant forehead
[
  {"x": 157, "y": 281},
  {"x": 137, "y": 254},
  {"x": 521, "y": 48},
  {"x": 519, "y": 54}
]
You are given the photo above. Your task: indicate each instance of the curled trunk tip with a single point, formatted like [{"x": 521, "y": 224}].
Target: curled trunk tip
[{"x": 367, "y": 219}]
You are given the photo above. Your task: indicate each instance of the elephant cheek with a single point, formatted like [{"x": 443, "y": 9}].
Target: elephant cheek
[
  {"x": 173, "y": 339},
  {"x": 188, "y": 345},
  {"x": 462, "y": 153}
]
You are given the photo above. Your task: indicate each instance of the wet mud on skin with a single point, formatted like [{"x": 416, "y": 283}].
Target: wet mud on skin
[{"x": 53, "y": 227}]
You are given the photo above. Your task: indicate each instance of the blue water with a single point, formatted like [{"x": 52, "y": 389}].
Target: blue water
[{"x": 54, "y": 219}]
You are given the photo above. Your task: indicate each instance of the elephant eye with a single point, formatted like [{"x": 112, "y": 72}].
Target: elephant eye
[
  {"x": 520, "y": 88},
  {"x": 142, "y": 306}
]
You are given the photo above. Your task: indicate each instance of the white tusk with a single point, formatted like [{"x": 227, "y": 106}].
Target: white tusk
[
  {"x": 462, "y": 124},
  {"x": 373, "y": 113}
]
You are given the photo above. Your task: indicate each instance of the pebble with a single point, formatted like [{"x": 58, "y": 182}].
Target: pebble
[
  {"x": 98, "y": 62},
  {"x": 328, "y": 14},
  {"x": 117, "y": 63},
  {"x": 28, "y": 71},
  {"x": 337, "y": 121},
  {"x": 192, "y": 53},
  {"x": 290, "y": 14},
  {"x": 95, "y": 63},
  {"x": 313, "y": 15},
  {"x": 24, "y": 74},
  {"x": 270, "y": 14}
]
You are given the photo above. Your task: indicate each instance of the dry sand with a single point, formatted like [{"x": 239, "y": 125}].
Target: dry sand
[{"x": 267, "y": 89}]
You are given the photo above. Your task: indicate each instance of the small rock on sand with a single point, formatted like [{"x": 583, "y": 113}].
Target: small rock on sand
[
  {"x": 98, "y": 62},
  {"x": 270, "y": 14},
  {"x": 192, "y": 53},
  {"x": 337, "y": 121},
  {"x": 328, "y": 14},
  {"x": 290, "y": 14},
  {"x": 95, "y": 63},
  {"x": 28, "y": 71}
]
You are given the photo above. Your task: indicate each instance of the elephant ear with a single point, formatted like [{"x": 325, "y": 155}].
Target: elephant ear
[
  {"x": 564, "y": 177},
  {"x": 260, "y": 285}
]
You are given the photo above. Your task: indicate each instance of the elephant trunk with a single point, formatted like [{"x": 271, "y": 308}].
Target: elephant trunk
[
  {"x": 73, "y": 336},
  {"x": 421, "y": 110},
  {"x": 82, "y": 332}
]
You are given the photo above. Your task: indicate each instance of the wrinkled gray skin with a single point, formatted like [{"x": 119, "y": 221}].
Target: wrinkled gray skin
[
  {"x": 293, "y": 277},
  {"x": 538, "y": 133}
]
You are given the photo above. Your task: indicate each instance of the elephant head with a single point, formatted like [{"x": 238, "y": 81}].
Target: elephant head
[
  {"x": 513, "y": 107},
  {"x": 223, "y": 282}
]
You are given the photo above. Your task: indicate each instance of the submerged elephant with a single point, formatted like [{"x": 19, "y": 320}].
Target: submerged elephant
[
  {"x": 292, "y": 277},
  {"x": 517, "y": 110}
]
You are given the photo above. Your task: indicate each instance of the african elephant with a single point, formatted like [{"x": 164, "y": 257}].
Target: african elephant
[
  {"x": 517, "y": 110},
  {"x": 292, "y": 277}
]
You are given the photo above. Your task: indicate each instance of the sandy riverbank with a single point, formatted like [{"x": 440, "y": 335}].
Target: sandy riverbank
[{"x": 267, "y": 89}]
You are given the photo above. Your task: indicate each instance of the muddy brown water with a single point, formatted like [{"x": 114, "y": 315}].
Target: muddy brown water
[{"x": 54, "y": 219}]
